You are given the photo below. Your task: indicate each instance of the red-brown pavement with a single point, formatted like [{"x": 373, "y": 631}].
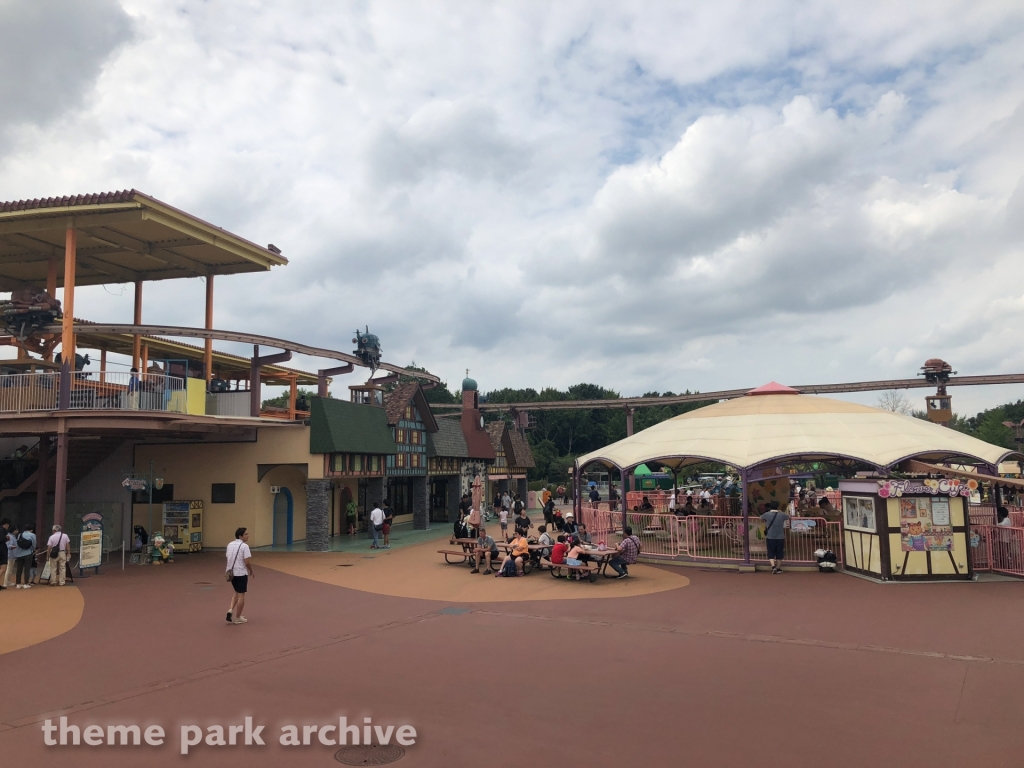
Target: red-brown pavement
[{"x": 732, "y": 670}]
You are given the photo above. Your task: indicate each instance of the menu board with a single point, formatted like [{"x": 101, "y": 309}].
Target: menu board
[{"x": 925, "y": 525}]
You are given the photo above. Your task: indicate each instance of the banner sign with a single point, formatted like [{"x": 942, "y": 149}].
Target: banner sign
[
  {"x": 134, "y": 483},
  {"x": 950, "y": 487},
  {"x": 924, "y": 525}
]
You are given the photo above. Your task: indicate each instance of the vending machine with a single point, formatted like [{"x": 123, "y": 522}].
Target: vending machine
[{"x": 183, "y": 525}]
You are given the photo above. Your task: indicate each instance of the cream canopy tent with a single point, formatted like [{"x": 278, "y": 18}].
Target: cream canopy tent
[{"x": 775, "y": 424}]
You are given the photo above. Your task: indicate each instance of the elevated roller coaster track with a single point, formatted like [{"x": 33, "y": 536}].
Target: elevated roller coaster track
[
  {"x": 84, "y": 329},
  {"x": 728, "y": 394}
]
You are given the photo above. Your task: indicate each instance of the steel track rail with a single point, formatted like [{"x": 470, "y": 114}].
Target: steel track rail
[
  {"x": 242, "y": 338},
  {"x": 728, "y": 394}
]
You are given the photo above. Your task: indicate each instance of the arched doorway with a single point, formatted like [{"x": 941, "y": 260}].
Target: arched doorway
[{"x": 283, "y": 517}]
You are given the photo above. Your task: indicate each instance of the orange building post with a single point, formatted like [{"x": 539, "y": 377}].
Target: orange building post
[
  {"x": 208, "y": 346},
  {"x": 136, "y": 339},
  {"x": 67, "y": 344}
]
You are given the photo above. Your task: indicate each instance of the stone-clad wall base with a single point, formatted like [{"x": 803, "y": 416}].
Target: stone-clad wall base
[
  {"x": 318, "y": 515},
  {"x": 420, "y": 504}
]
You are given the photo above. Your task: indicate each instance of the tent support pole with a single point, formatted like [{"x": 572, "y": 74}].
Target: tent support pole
[
  {"x": 746, "y": 517},
  {"x": 623, "y": 477}
]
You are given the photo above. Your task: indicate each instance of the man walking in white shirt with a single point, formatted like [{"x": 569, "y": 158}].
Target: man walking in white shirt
[
  {"x": 240, "y": 568},
  {"x": 376, "y": 523}
]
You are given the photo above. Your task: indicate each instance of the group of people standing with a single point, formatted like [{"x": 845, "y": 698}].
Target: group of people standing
[{"x": 19, "y": 555}]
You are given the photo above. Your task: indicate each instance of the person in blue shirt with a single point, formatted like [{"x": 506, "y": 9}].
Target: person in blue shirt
[{"x": 23, "y": 556}]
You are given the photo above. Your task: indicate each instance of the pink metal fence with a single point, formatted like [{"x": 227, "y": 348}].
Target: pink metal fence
[
  {"x": 713, "y": 537},
  {"x": 998, "y": 548}
]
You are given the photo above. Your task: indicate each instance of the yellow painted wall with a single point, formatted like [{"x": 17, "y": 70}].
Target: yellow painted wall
[
  {"x": 195, "y": 390},
  {"x": 917, "y": 563},
  {"x": 863, "y": 551},
  {"x": 194, "y": 468},
  {"x": 892, "y": 508}
]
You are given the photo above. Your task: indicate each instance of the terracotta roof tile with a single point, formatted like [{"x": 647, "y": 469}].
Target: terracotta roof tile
[
  {"x": 520, "y": 449},
  {"x": 396, "y": 401},
  {"x": 495, "y": 430},
  {"x": 124, "y": 196}
]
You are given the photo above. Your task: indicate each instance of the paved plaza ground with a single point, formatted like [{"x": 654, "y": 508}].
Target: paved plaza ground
[{"x": 672, "y": 667}]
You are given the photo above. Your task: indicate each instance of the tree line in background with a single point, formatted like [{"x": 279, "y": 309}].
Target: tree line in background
[{"x": 987, "y": 425}]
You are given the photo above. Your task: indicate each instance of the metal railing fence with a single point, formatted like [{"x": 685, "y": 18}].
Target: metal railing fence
[{"x": 93, "y": 390}]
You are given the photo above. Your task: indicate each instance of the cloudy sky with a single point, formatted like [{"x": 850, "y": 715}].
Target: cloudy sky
[{"x": 648, "y": 196}]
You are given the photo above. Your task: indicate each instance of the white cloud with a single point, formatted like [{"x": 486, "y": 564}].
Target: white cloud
[{"x": 650, "y": 196}]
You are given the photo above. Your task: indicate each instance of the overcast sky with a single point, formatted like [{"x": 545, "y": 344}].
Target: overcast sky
[{"x": 648, "y": 196}]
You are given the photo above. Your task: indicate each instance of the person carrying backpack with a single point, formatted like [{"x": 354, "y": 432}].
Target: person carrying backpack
[{"x": 24, "y": 554}]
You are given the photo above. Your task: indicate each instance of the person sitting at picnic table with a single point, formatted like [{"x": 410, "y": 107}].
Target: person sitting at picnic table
[
  {"x": 827, "y": 511},
  {"x": 546, "y": 540},
  {"x": 558, "y": 551},
  {"x": 559, "y": 520},
  {"x": 523, "y": 523},
  {"x": 576, "y": 556},
  {"x": 625, "y": 554},
  {"x": 582, "y": 535},
  {"x": 687, "y": 509},
  {"x": 474, "y": 523},
  {"x": 486, "y": 549},
  {"x": 520, "y": 553},
  {"x": 459, "y": 530},
  {"x": 646, "y": 506},
  {"x": 570, "y": 526}
]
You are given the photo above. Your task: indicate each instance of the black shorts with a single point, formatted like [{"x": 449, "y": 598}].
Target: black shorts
[
  {"x": 3, "y": 553},
  {"x": 240, "y": 583},
  {"x": 776, "y": 548}
]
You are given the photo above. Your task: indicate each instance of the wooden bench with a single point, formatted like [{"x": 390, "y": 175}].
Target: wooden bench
[
  {"x": 464, "y": 555},
  {"x": 558, "y": 568}
]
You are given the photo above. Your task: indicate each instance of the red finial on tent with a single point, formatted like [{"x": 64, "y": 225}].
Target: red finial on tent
[{"x": 774, "y": 388}]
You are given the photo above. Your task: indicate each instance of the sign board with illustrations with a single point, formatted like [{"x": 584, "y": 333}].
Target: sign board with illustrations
[{"x": 90, "y": 548}]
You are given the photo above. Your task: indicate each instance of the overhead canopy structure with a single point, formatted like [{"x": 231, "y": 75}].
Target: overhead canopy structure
[
  {"x": 782, "y": 426},
  {"x": 123, "y": 237}
]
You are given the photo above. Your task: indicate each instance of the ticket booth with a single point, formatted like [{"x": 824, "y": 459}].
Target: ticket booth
[{"x": 907, "y": 530}]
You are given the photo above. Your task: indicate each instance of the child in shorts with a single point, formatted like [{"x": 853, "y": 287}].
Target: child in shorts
[{"x": 503, "y": 522}]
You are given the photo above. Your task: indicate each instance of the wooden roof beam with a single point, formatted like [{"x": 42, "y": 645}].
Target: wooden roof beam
[{"x": 111, "y": 237}]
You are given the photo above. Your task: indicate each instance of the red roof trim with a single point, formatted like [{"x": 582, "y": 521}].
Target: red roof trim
[{"x": 123, "y": 196}]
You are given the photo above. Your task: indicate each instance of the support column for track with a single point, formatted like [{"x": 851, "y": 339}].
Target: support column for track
[
  {"x": 745, "y": 505},
  {"x": 255, "y": 388},
  {"x": 67, "y": 344},
  {"x": 629, "y": 421},
  {"x": 324, "y": 373},
  {"x": 44, "y": 466},
  {"x": 208, "y": 344},
  {"x": 136, "y": 338},
  {"x": 103, "y": 366},
  {"x": 60, "y": 485},
  {"x": 293, "y": 396}
]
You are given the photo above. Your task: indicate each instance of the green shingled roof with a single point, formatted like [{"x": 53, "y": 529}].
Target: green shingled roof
[{"x": 338, "y": 426}]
